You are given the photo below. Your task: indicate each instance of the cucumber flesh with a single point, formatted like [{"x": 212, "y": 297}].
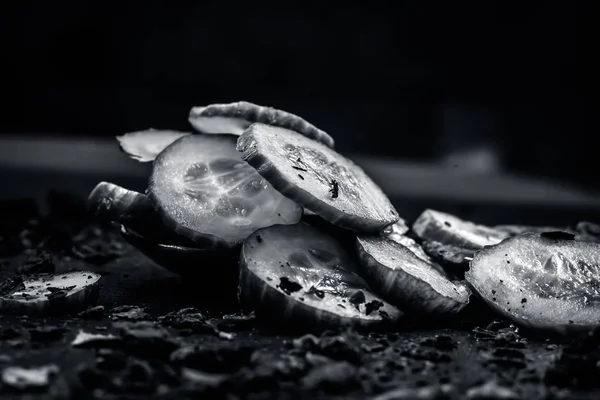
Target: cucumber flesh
[
  {"x": 318, "y": 178},
  {"x": 145, "y": 146},
  {"x": 407, "y": 281},
  {"x": 204, "y": 191},
  {"x": 546, "y": 280},
  {"x": 234, "y": 118},
  {"x": 300, "y": 273}
]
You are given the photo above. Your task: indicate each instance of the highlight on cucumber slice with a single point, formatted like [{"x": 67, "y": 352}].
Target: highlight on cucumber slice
[
  {"x": 144, "y": 146},
  {"x": 205, "y": 191},
  {"x": 546, "y": 280},
  {"x": 234, "y": 118},
  {"x": 407, "y": 281},
  {"x": 71, "y": 291},
  {"x": 410, "y": 244},
  {"x": 318, "y": 178},
  {"x": 298, "y": 273},
  {"x": 449, "y": 229},
  {"x": 399, "y": 228}
]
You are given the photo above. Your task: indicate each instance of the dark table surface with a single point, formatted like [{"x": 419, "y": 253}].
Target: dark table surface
[{"x": 405, "y": 361}]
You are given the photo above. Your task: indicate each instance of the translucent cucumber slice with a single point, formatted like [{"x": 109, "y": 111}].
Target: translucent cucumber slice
[
  {"x": 205, "y": 191},
  {"x": 67, "y": 292},
  {"x": 234, "y": 118},
  {"x": 546, "y": 280},
  {"x": 318, "y": 178},
  {"x": 144, "y": 146},
  {"x": 406, "y": 280},
  {"x": 298, "y": 273},
  {"x": 448, "y": 229}
]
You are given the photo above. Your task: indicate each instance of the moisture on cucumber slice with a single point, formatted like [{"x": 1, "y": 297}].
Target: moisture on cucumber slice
[
  {"x": 234, "y": 118},
  {"x": 449, "y": 229},
  {"x": 546, "y": 280},
  {"x": 71, "y": 291},
  {"x": 145, "y": 146},
  {"x": 205, "y": 191},
  {"x": 408, "y": 281},
  {"x": 318, "y": 178},
  {"x": 298, "y": 273}
]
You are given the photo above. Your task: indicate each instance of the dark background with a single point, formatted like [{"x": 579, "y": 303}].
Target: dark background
[{"x": 412, "y": 80}]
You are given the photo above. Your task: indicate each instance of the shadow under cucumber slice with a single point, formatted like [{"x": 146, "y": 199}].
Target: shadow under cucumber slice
[{"x": 298, "y": 274}]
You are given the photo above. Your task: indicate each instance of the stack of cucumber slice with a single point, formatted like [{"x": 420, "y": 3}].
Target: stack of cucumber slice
[{"x": 242, "y": 184}]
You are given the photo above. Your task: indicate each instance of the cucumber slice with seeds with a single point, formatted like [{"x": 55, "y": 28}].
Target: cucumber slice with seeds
[
  {"x": 145, "y": 146},
  {"x": 204, "y": 191},
  {"x": 448, "y": 229},
  {"x": 299, "y": 273},
  {"x": 546, "y": 280},
  {"x": 407, "y": 281},
  {"x": 234, "y": 118},
  {"x": 318, "y": 178}
]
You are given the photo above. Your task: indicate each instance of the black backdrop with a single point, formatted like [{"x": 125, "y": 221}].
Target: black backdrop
[{"x": 411, "y": 80}]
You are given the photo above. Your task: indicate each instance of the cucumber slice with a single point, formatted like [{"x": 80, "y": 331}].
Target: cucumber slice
[
  {"x": 144, "y": 146},
  {"x": 204, "y": 191},
  {"x": 448, "y": 229},
  {"x": 135, "y": 210},
  {"x": 299, "y": 273},
  {"x": 234, "y": 118},
  {"x": 115, "y": 203},
  {"x": 546, "y": 280},
  {"x": 67, "y": 292},
  {"x": 407, "y": 281},
  {"x": 318, "y": 178}
]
